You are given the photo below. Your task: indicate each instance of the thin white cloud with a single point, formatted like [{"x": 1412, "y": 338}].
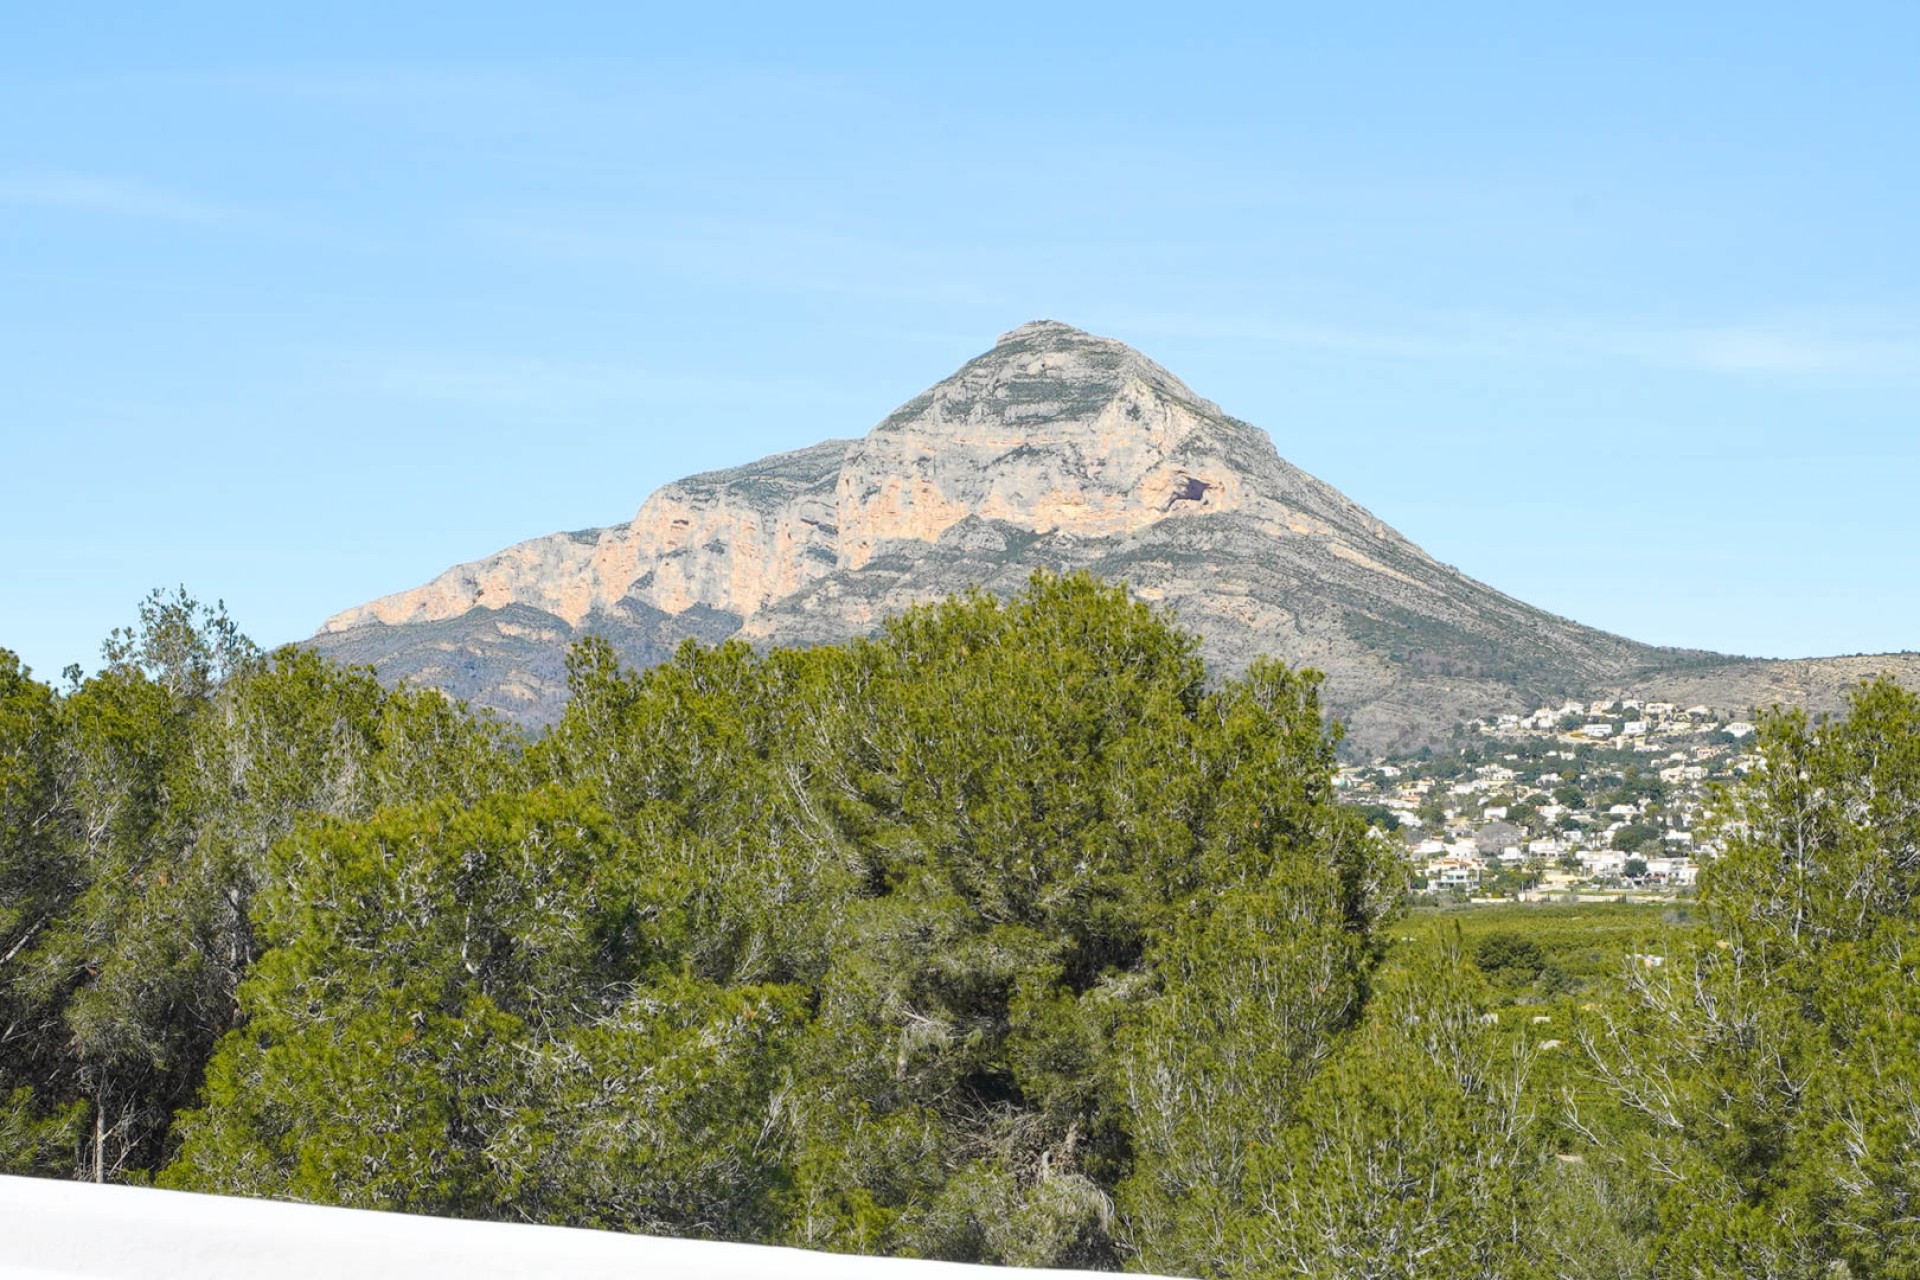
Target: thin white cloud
[
  {"x": 760, "y": 255},
  {"x": 545, "y": 386},
  {"x": 531, "y": 104},
  {"x": 1790, "y": 351},
  {"x": 141, "y": 201},
  {"x": 1813, "y": 346},
  {"x": 1460, "y": 339},
  {"x": 115, "y": 197}
]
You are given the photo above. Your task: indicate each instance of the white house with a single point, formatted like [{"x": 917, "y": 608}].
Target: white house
[
  {"x": 1603, "y": 862},
  {"x": 1675, "y": 872},
  {"x": 1454, "y": 873}
]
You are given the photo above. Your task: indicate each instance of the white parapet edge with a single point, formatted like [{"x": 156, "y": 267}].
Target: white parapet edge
[{"x": 51, "y": 1230}]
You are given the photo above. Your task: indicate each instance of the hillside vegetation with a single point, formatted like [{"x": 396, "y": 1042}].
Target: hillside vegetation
[{"x": 1003, "y": 936}]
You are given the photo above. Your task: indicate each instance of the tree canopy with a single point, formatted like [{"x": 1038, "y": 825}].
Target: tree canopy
[
  {"x": 1007, "y": 935},
  {"x": 902, "y": 945}
]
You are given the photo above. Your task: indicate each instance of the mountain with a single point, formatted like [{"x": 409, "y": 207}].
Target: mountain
[{"x": 1062, "y": 450}]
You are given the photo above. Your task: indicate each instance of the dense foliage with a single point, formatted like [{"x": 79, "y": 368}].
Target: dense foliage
[
  {"x": 140, "y": 805},
  {"x": 1002, "y": 936}
]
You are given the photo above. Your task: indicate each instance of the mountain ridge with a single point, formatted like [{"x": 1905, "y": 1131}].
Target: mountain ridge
[{"x": 1055, "y": 449}]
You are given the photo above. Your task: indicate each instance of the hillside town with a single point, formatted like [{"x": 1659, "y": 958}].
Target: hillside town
[{"x": 1574, "y": 801}]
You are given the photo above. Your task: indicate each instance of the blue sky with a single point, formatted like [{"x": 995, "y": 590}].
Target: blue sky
[{"x": 1615, "y": 308}]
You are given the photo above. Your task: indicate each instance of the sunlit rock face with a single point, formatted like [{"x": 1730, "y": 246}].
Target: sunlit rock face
[
  {"x": 728, "y": 540},
  {"x": 1055, "y": 449},
  {"x": 1053, "y": 430}
]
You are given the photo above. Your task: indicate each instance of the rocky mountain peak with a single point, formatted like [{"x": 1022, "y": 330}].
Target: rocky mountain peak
[
  {"x": 1039, "y": 330},
  {"x": 1055, "y": 449},
  {"x": 1047, "y": 370},
  {"x": 1054, "y": 430}
]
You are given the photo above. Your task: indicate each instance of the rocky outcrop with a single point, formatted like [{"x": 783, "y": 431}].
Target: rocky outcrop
[
  {"x": 730, "y": 541},
  {"x": 1054, "y": 430},
  {"x": 1058, "y": 431},
  {"x": 1056, "y": 449}
]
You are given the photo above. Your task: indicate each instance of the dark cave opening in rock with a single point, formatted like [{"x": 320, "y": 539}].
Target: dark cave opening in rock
[{"x": 1190, "y": 489}]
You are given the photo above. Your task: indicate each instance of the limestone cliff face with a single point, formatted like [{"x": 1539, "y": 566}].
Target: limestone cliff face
[
  {"x": 735, "y": 541},
  {"x": 730, "y": 541},
  {"x": 564, "y": 574},
  {"x": 1053, "y": 430},
  {"x": 1057, "y": 430},
  {"x": 1055, "y": 449}
]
